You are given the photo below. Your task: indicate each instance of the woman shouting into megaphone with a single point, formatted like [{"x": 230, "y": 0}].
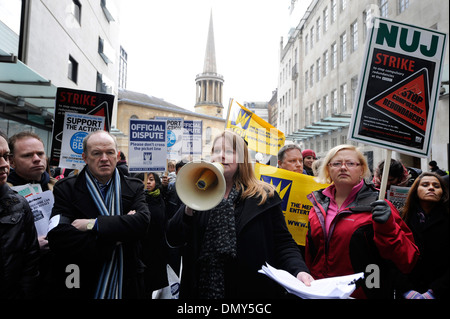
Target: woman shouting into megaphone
[{"x": 226, "y": 245}]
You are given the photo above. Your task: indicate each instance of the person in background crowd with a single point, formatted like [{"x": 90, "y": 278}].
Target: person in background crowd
[
  {"x": 19, "y": 247},
  {"x": 173, "y": 202},
  {"x": 316, "y": 166},
  {"x": 398, "y": 175},
  {"x": 154, "y": 246},
  {"x": 122, "y": 164},
  {"x": 426, "y": 212},
  {"x": 309, "y": 157},
  {"x": 98, "y": 220},
  {"x": 28, "y": 161},
  {"x": 171, "y": 167},
  {"x": 169, "y": 191},
  {"x": 227, "y": 245},
  {"x": 29, "y": 166},
  {"x": 435, "y": 168},
  {"x": 350, "y": 229},
  {"x": 290, "y": 158}
]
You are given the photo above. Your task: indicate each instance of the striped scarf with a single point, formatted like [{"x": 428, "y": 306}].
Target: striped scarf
[{"x": 110, "y": 282}]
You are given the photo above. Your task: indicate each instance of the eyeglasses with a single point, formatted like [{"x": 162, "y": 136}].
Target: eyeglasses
[{"x": 347, "y": 164}]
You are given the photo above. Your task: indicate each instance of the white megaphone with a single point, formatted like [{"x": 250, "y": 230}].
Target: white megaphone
[{"x": 201, "y": 185}]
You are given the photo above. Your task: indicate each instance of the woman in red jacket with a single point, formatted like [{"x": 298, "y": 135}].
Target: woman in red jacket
[{"x": 350, "y": 231}]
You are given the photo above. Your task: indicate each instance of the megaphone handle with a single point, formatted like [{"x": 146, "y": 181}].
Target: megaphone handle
[{"x": 188, "y": 211}]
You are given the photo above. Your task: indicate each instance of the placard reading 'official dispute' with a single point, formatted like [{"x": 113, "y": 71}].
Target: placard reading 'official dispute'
[{"x": 147, "y": 150}]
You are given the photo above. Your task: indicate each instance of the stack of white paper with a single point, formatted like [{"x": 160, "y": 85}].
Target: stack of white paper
[{"x": 329, "y": 288}]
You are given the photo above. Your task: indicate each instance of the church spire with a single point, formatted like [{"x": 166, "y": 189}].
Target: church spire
[
  {"x": 209, "y": 84},
  {"x": 210, "y": 54}
]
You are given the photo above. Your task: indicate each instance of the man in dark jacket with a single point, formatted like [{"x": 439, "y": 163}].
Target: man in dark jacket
[
  {"x": 435, "y": 168},
  {"x": 98, "y": 218},
  {"x": 19, "y": 248},
  {"x": 29, "y": 161}
]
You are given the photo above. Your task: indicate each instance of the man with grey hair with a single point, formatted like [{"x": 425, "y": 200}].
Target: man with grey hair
[
  {"x": 98, "y": 219},
  {"x": 290, "y": 158}
]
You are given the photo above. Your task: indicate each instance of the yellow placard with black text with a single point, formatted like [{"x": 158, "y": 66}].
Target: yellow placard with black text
[
  {"x": 260, "y": 136},
  {"x": 293, "y": 188}
]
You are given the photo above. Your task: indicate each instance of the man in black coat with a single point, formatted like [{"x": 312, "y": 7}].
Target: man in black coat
[
  {"x": 91, "y": 231},
  {"x": 19, "y": 248}
]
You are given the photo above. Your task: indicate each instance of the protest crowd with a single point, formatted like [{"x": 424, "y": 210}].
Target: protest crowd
[{"x": 112, "y": 234}]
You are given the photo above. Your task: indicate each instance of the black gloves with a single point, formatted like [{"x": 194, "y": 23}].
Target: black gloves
[{"x": 380, "y": 211}]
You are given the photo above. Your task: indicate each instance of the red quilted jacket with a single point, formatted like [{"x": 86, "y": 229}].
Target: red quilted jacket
[{"x": 355, "y": 241}]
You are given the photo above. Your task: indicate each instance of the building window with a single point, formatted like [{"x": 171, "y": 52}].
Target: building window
[
  {"x": 318, "y": 31},
  {"x": 326, "y": 106},
  {"x": 383, "y": 8},
  {"x": 306, "y": 44},
  {"x": 325, "y": 20},
  {"x": 344, "y": 97},
  {"x": 318, "y": 72},
  {"x": 76, "y": 10},
  {"x": 104, "y": 85},
  {"x": 306, "y": 117},
  {"x": 354, "y": 36},
  {"x": 333, "y": 142},
  {"x": 343, "y": 5},
  {"x": 105, "y": 51},
  {"x": 311, "y": 75},
  {"x": 343, "y": 46},
  {"x": 109, "y": 10},
  {"x": 333, "y": 56},
  {"x": 123, "y": 68},
  {"x": 333, "y": 11},
  {"x": 318, "y": 110},
  {"x": 354, "y": 88},
  {"x": 334, "y": 109},
  {"x": 73, "y": 69},
  {"x": 402, "y": 5},
  {"x": 325, "y": 63},
  {"x": 306, "y": 81},
  {"x": 312, "y": 37}
]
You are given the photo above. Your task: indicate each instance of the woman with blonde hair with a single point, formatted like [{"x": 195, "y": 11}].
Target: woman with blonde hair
[
  {"x": 350, "y": 230},
  {"x": 227, "y": 245}
]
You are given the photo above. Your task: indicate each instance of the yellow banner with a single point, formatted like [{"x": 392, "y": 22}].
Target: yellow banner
[
  {"x": 260, "y": 135},
  {"x": 293, "y": 189}
]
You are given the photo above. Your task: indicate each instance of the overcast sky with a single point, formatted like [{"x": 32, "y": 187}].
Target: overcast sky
[{"x": 166, "y": 42}]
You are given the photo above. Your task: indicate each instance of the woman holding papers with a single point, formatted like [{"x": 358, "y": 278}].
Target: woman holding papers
[
  {"x": 351, "y": 231},
  {"x": 227, "y": 245},
  {"x": 427, "y": 214}
]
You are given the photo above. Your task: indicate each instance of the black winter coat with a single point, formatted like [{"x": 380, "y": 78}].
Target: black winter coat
[
  {"x": 432, "y": 271},
  {"x": 262, "y": 236},
  {"x": 19, "y": 247},
  {"x": 89, "y": 249},
  {"x": 154, "y": 246}
]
